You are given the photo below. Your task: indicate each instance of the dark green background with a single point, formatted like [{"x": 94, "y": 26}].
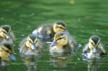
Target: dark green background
[{"x": 83, "y": 18}]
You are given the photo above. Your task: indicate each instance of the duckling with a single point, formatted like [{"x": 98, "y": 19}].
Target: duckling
[
  {"x": 59, "y": 50},
  {"x": 59, "y": 43},
  {"x": 6, "y": 34},
  {"x": 30, "y": 51},
  {"x": 94, "y": 46},
  {"x": 93, "y": 51},
  {"x": 6, "y": 53},
  {"x": 59, "y": 26},
  {"x": 29, "y": 45}
]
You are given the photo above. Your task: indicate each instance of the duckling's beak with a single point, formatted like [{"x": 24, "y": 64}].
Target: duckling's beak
[
  {"x": 53, "y": 43},
  {"x": 12, "y": 57},
  {"x": 33, "y": 46},
  {"x": 7, "y": 36},
  {"x": 94, "y": 50}
]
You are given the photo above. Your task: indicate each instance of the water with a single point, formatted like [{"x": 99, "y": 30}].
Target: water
[{"x": 83, "y": 18}]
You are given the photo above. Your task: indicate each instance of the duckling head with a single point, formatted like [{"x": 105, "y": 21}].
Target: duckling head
[
  {"x": 6, "y": 27},
  {"x": 61, "y": 39},
  {"x": 59, "y": 27},
  {"x": 94, "y": 41},
  {"x": 31, "y": 41},
  {"x": 4, "y": 30}
]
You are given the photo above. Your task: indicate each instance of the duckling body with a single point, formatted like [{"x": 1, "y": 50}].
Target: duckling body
[{"x": 4, "y": 53}]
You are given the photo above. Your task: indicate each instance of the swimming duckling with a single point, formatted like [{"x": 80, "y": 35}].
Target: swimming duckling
[
  {"x": 59, "y": 43},
  {"x": 93, "y": 52},
  {"x": 30, "y": 51},
  {"x": 29, "y": 45},
  {"x": 6, "y": 34},
  {"x": 59, "y": 50},
  {"x": 6, "y": 55}
]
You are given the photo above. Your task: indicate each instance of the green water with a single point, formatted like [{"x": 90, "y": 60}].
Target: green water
[{"x": 83, "y": 18}]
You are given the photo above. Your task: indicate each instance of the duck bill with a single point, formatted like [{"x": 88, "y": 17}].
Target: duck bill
[{"x": 33, "y": 46}]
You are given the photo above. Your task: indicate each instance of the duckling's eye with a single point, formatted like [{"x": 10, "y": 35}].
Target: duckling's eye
[
  {"x": 59, "y": 38},
  {"x": 30, "y": 41},
  {"x": 59, "y": 27},
  {"x": 4, "y": 32},
  {"x": 92, "y": 43}
]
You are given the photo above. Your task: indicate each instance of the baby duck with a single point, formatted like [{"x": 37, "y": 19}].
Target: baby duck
[
  {"x": 59, "y": 50},
  {"x": 6, "y": 34},
  {"x": 30, "y": 51},
  {"x": 6, "y": 53},
  {"x": 29, "y": 46},
  {"x": 94, "y": 47},
  {"x": 93, "y": 52},
  {"x": 59, "y": 43}
]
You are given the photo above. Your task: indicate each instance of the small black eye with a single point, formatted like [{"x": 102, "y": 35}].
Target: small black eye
[
  {"x": 4, "y": 32},
  {"x": 30, "y": 41},
  {"x": 92, "y": 43}
]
